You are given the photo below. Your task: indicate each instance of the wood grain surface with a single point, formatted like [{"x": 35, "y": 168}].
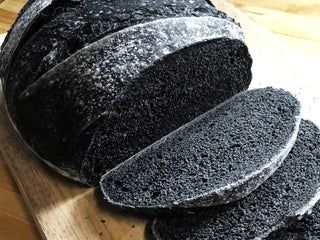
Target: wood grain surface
[{"x": 65, "y": 210}]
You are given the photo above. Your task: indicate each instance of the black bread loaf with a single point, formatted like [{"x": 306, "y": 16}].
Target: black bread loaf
[
  {"x": 90, "y": 83},
  {"x": 287, "y": 195},
  {"x": 215, "y": 159}
]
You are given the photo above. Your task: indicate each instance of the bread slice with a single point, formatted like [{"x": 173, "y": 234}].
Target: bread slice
[
  {"x": 217, "y": 158},
  {"x": 287, "y": 195}
]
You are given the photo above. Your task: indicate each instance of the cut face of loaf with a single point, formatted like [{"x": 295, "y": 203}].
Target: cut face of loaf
[
  {"x": 215, "y": 159},
  {"x": 130, "y": 79},
  {"x": 287, "y": 195}
]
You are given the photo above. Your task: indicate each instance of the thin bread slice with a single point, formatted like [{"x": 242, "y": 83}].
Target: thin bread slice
[{"x": 215, "y": 159}]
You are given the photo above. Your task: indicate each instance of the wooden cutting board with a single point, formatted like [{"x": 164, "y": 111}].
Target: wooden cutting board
[{"x": 63, "y": 209}]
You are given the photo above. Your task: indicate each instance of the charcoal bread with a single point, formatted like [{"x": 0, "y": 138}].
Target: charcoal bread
[
  {"x": 287, "y": 195},
  {"x": 215, "y": 159},
  {"x": 68, "y": 95}
]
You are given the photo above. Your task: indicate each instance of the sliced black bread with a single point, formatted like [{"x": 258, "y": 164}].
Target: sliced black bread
[
  {"x": 217, "y": 158},
  {"x": 287, "y": 195},
  {"x": 171, "y": 64}
]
